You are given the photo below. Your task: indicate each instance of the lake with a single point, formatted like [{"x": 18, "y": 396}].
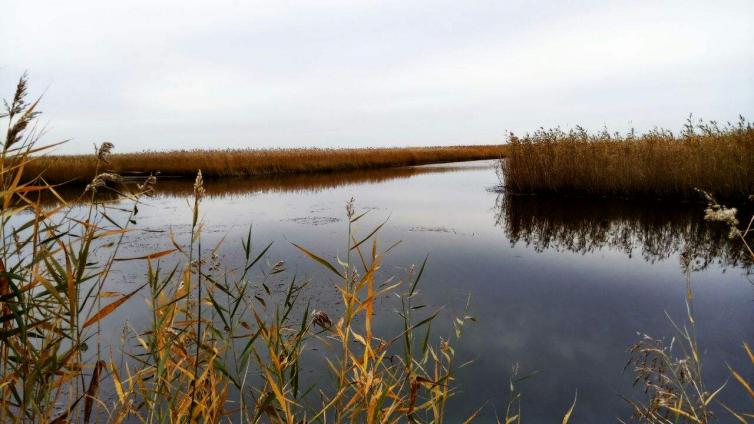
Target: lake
[{"x": 559, "y": 288}]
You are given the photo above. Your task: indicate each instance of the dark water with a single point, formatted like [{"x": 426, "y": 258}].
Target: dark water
[{"x": 558, "y": 287}]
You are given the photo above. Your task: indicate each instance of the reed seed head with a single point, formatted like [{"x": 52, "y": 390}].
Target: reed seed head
[
  {"x": 719, "y": 213},
  {"x": 148, "y": 187},
  {"x": 101, "y": 180},
  {"x": 104, "y": 151},
  {"x": 321, "y": 319},
  {"x": 199, "y": 186},
  {"x": 350, "y": 211}
]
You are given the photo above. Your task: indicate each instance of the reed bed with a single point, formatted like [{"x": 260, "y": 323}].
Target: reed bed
[
  {"x": 252, "y": 163},
  {"x": 657, "y": 164}
]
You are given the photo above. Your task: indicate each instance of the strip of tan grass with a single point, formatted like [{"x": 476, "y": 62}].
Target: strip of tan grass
[
  {"x": 657, "y": 164},
  {"x": 247, "y": 163}
]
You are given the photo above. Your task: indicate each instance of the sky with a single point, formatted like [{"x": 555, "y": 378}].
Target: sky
[{"x": 159, "y": 75}]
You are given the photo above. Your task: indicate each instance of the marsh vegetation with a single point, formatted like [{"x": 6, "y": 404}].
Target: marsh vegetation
[
  {"x": 657, "y": 164},
  {"x": 106, "y": 320}
]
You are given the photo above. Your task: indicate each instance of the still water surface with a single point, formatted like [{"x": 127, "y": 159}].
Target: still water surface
[{"x": 560, "y": 288}]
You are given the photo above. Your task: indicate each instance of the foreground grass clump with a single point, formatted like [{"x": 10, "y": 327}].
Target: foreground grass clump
[
  {"x": 657, "y": 164},
  {"x": 250, "y": 162},
  {"x": 671, "y": 375},
  {"x": 219, "y": 345}
]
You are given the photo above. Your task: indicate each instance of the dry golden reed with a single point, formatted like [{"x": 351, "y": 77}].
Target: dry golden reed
[
  {"x": 657, "y": 164},
  {"x": 250, "y": 162}
]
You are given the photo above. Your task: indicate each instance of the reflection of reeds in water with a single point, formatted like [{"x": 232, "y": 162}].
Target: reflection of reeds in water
[
  {"x": 316, "y": 182},
  {"x": 656, "y": 231}
]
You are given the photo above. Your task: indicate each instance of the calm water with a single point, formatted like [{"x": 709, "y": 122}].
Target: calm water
[{"x": 560, "y": 288}]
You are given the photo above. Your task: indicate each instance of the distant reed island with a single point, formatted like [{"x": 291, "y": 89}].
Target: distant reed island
[
  {"x": 250, "y": 162},
  {"x": 658, "y": 164}
]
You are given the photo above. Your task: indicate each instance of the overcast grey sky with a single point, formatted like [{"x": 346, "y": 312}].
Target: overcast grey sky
[{"x": 334, "y": 73}]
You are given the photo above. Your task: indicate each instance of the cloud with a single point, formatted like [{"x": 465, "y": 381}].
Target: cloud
[{"x": 156, "y": 75}]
